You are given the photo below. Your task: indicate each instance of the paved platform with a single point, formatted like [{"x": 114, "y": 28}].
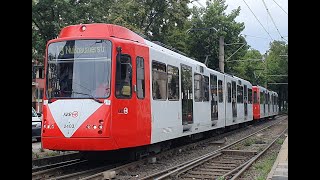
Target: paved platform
[{"x": 279, "y": 170}]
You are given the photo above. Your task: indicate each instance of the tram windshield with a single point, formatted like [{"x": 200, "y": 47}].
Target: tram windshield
[{"x": 79, "y": 69}]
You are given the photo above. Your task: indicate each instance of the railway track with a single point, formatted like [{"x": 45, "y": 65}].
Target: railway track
[
  {"x": 81, "y": 169},
  {"x": 224, "y": 163},
  {"x": 46, "y": 162},
  {"x": 242, "y": 157},
  {"x": 48, "y": 171}
]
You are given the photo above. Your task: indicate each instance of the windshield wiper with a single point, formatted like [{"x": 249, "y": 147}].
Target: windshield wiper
[{"x": 95, "y": 99}]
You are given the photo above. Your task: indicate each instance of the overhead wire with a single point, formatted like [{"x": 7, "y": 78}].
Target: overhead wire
[
  {"x": 280, "y": 7},
  {"x": 255, "y": 36},
  {"x": 258, "y": 20},
  {"x": 273, "y": 21}
]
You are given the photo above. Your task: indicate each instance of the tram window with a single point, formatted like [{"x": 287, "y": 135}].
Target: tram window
[
  {"x": 173, "y": 83},
  {"x": 266, "y": 98},
  {"x": 220, "y": 91},
  {"x": 261, "y": 98},
  {"x": 241, "y": 100},
  {"x": 201, "y": 87},
  {"x": 159, "y": 81},
  {"x": 245, "y": 93},
  {"x": 214, "y": 87},
  {"x": 205, "y": 88},
  {"x": 197, "y": 87},
  {"x": 240, "y": 94},
  {"x": 140, "y": 78},
  {"x": 250, "y": 96},
  {"x": 255, "y": 97},
  {"x": 124, "y": 77},
  {"x": 229, "y": 92}
]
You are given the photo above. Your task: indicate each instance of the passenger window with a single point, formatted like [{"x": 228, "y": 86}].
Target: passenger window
[
  {"x": 173, "y": 83},
  {"x": 229, "y": 92},
  {"x": 240, "y": 94},
  {"x": 250, "y": 96},
  {"x": 205, "y": 87},
  {"x": 255, "y": 97},
  {"x": 197, "y": 87},
  {"x": 261, "y": 98},
  {"x": 159, "y": 81},
  {"x": 140, "y": 78},
  {"x": 220, "y": 90},
  {"x": 245, "y": 94},
  {"x": 201, "y": 87},
  {"x": 124, "y": 77}
]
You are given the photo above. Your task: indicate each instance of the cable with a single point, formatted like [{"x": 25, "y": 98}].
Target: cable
[
  {"x": 273, "y": 20},
  {"x": 255, "y": 36},
  {"x": 280, "y": 7},
  {"x": 258, "y": 20}
]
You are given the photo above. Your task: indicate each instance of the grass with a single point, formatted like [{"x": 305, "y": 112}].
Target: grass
[
  {"x": 35, "y": 155},
  {"x": 53, "y": 153},
  {"x": 264, "y": 166},
  {"x": 249, "y": 142},
  {"x": 280, "y": 141},
  {"x": 42, "y": 153}
]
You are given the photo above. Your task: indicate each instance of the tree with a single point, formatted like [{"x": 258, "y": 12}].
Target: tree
[
  {"x": 50, "y": 16},
  {"x": 206, "y": 42},
  {"x": 251, "y": 68},
  {"x": 153, "y": 18},
  {"x": 277, "y": 69}
]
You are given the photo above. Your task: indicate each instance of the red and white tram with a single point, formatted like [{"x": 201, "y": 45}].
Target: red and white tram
[{"x": 108, "y": 88}]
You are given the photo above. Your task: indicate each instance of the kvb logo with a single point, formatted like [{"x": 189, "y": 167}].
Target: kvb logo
[{"x": 73, "y": 114}]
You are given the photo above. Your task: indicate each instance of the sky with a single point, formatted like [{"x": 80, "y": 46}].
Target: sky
[{"x": 256, "y": 36}]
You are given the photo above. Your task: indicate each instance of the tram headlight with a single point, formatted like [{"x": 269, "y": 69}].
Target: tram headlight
[{"x": 83, "y": 28}]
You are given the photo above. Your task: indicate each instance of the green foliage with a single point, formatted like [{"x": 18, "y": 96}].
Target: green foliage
[
  {"x": 274, "y": 69},
  {"x": 251, "y": 69},
  {"x": 156, "y": 19},
  {"x": 280, "y": 141},
  {"x": 264, "y": 166},
  {"x": 249, "y": 142},
  {"x": 206, "y": 42},
  {"x": 277, "y": 64}
]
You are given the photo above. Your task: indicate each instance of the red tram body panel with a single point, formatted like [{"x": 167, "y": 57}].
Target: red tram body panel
[
  {"x": 124, "y": 122},
  {"x": 256, "y": 103}
]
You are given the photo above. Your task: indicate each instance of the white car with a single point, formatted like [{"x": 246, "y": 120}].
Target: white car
[{"x": 36, "y": 126}]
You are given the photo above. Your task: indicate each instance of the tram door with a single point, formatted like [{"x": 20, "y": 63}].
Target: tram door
[
  {"x": 234, "y": 100},
  {"x": 214, "y": 98},
  {"x": 245, "y": 102},
  {"x": 186, "y": 96},
  {"x": 269, "y": 102},
  {"x": 265, "y": 102}
]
